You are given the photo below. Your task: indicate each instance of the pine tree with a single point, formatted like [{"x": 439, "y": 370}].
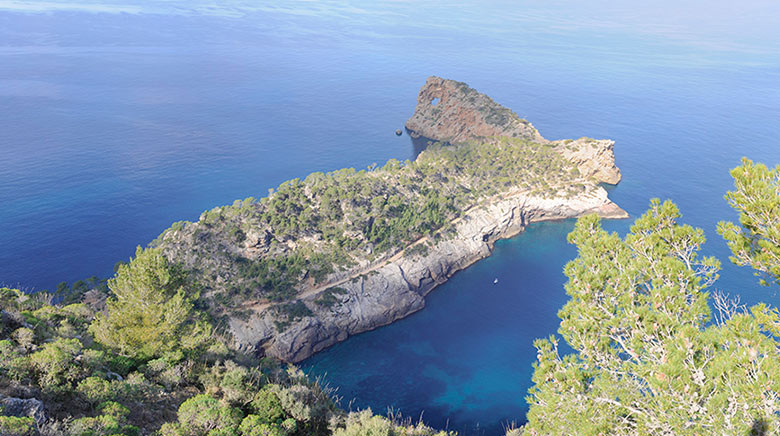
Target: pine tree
[
  {"x": 150, "y": 313},
  {"x": 757, "y": 199},
  {"x": 650, "y": 358}
]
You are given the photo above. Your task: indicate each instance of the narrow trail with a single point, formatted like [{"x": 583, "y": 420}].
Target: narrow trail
[{"x": 261, "y": 305}]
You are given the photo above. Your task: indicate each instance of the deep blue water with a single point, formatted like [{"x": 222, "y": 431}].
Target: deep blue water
[{"x": 118, "y": 119}]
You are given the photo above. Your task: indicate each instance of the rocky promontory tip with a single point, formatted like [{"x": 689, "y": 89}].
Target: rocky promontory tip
[{"x": 594, "y": 157}]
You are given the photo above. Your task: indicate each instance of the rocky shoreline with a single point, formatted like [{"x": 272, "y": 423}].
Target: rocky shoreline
[{"x": 399, "y": 287}]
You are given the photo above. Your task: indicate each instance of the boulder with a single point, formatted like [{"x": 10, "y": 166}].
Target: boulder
[{"x": 29, "y": 407}]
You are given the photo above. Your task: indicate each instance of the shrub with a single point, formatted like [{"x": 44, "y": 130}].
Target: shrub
[
  {"x": 16, "y": 426},
  {"x": 9, "y": 358},
  {"x": 266, "y": 406},
  {"x": 304, "y": 403},
  {"x": 95, "y": 390},
  {"x": 650, "y": 359},
  {"x": 134, "y": 387},
  {"x": 55, "y": 365},
  {"x": 364, "y": 423},
  {"x": 253, "y": 425},
  {"x": 94, "y": 360},
  {"x": 111, "y": 422},
  {"x": 203, "y": 413},
  {"x": 235, "y": 386},
  {"x": 328, "y": 297},
  {"x": 24, "y": 337}
]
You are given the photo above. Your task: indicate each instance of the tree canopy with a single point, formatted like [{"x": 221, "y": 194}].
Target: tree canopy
[
  {"x": 756, "y": 243},
  {"x": 652, "y": 358},
  {"x": 150, "y": 312}
]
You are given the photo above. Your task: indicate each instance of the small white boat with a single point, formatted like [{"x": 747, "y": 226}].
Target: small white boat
[{"x": 495, "y": 281}]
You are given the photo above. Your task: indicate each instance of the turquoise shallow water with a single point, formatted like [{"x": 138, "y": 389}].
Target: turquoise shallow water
[
  {"x": 465, "y": 356},
  {"x": 118, "y": 119}
]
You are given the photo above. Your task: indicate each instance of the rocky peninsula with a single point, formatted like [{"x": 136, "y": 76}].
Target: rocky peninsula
[{"x": 337, "y": 254}]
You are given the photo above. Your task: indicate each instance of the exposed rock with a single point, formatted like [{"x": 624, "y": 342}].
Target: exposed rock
[
  {"x": 30, "y": 407},
  {"x": 593, "y": 157},
  {"x": 257, "y": 241},
  {"x": 111, "y": 375},
  {"x": 461, "y": 114},
  {"x": 95, "y": 299},
  {"x": 13, "y": 320}
]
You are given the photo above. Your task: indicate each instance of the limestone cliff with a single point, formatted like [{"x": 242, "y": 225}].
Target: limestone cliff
[
  {"x": 396, "y": 288},
  {"x": 453, "y": 112},
  {"x": 322, "y": 259}
]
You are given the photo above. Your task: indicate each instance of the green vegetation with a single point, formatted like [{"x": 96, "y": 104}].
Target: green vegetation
[
  {"x": 47, "y": 352},
  {"x": 493, "y": 112},
  {"x": 651, "y": 357},
  {"x": 307, "y": 229},
  {"x": 365, "y": 424},
  {"x": 17, "y": 426},
  {"x": 149, "y": 313},
  {"x": 152, "y": 365},
  {"x": 74, "y": 293},
  {"x": 111, "y": 421},
  {"x": 329, "y": 297},
  {"x": 757, "y": 199},
  {"x": 289, "y": 312}
]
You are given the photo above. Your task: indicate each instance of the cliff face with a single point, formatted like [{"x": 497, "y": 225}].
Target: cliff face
[
  {"x": 508, "y": 183},
  {"x": 453, "y": 112},
  {"x": 397, "y": 288}
]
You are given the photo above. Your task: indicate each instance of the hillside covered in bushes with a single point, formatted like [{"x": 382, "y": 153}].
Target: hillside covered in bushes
[{"x": 147, "y": 361}]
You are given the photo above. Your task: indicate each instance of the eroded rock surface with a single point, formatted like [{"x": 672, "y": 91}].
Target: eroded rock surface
[
  {"x": 453, "y": 112},
  {"x": 398, "y": 288},
  {"x": 593, "y": 157}
]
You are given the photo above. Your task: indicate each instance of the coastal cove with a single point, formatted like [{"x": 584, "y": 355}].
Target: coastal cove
[
  {"x": 462, "y": 358},
  {"x": 109, "y": 138}
]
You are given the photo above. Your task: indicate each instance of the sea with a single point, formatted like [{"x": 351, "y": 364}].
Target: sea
[{"x": 118, "y": 118}]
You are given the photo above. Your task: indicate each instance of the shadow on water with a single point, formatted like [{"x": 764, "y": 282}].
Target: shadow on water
[{"x": 419, "y": 143}]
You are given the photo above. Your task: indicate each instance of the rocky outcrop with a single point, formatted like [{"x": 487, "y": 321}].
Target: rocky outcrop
[
  {"x": 30, "y": 407},
  {"x": 451, "y": 111},
  {"x": 594, "y": 158},
  {"x": 398, "y": 287}
]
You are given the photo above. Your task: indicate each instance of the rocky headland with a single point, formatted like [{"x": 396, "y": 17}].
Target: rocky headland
[
  {"x": 309, "y": 266},
  {"x": 451, "y": 111}
]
